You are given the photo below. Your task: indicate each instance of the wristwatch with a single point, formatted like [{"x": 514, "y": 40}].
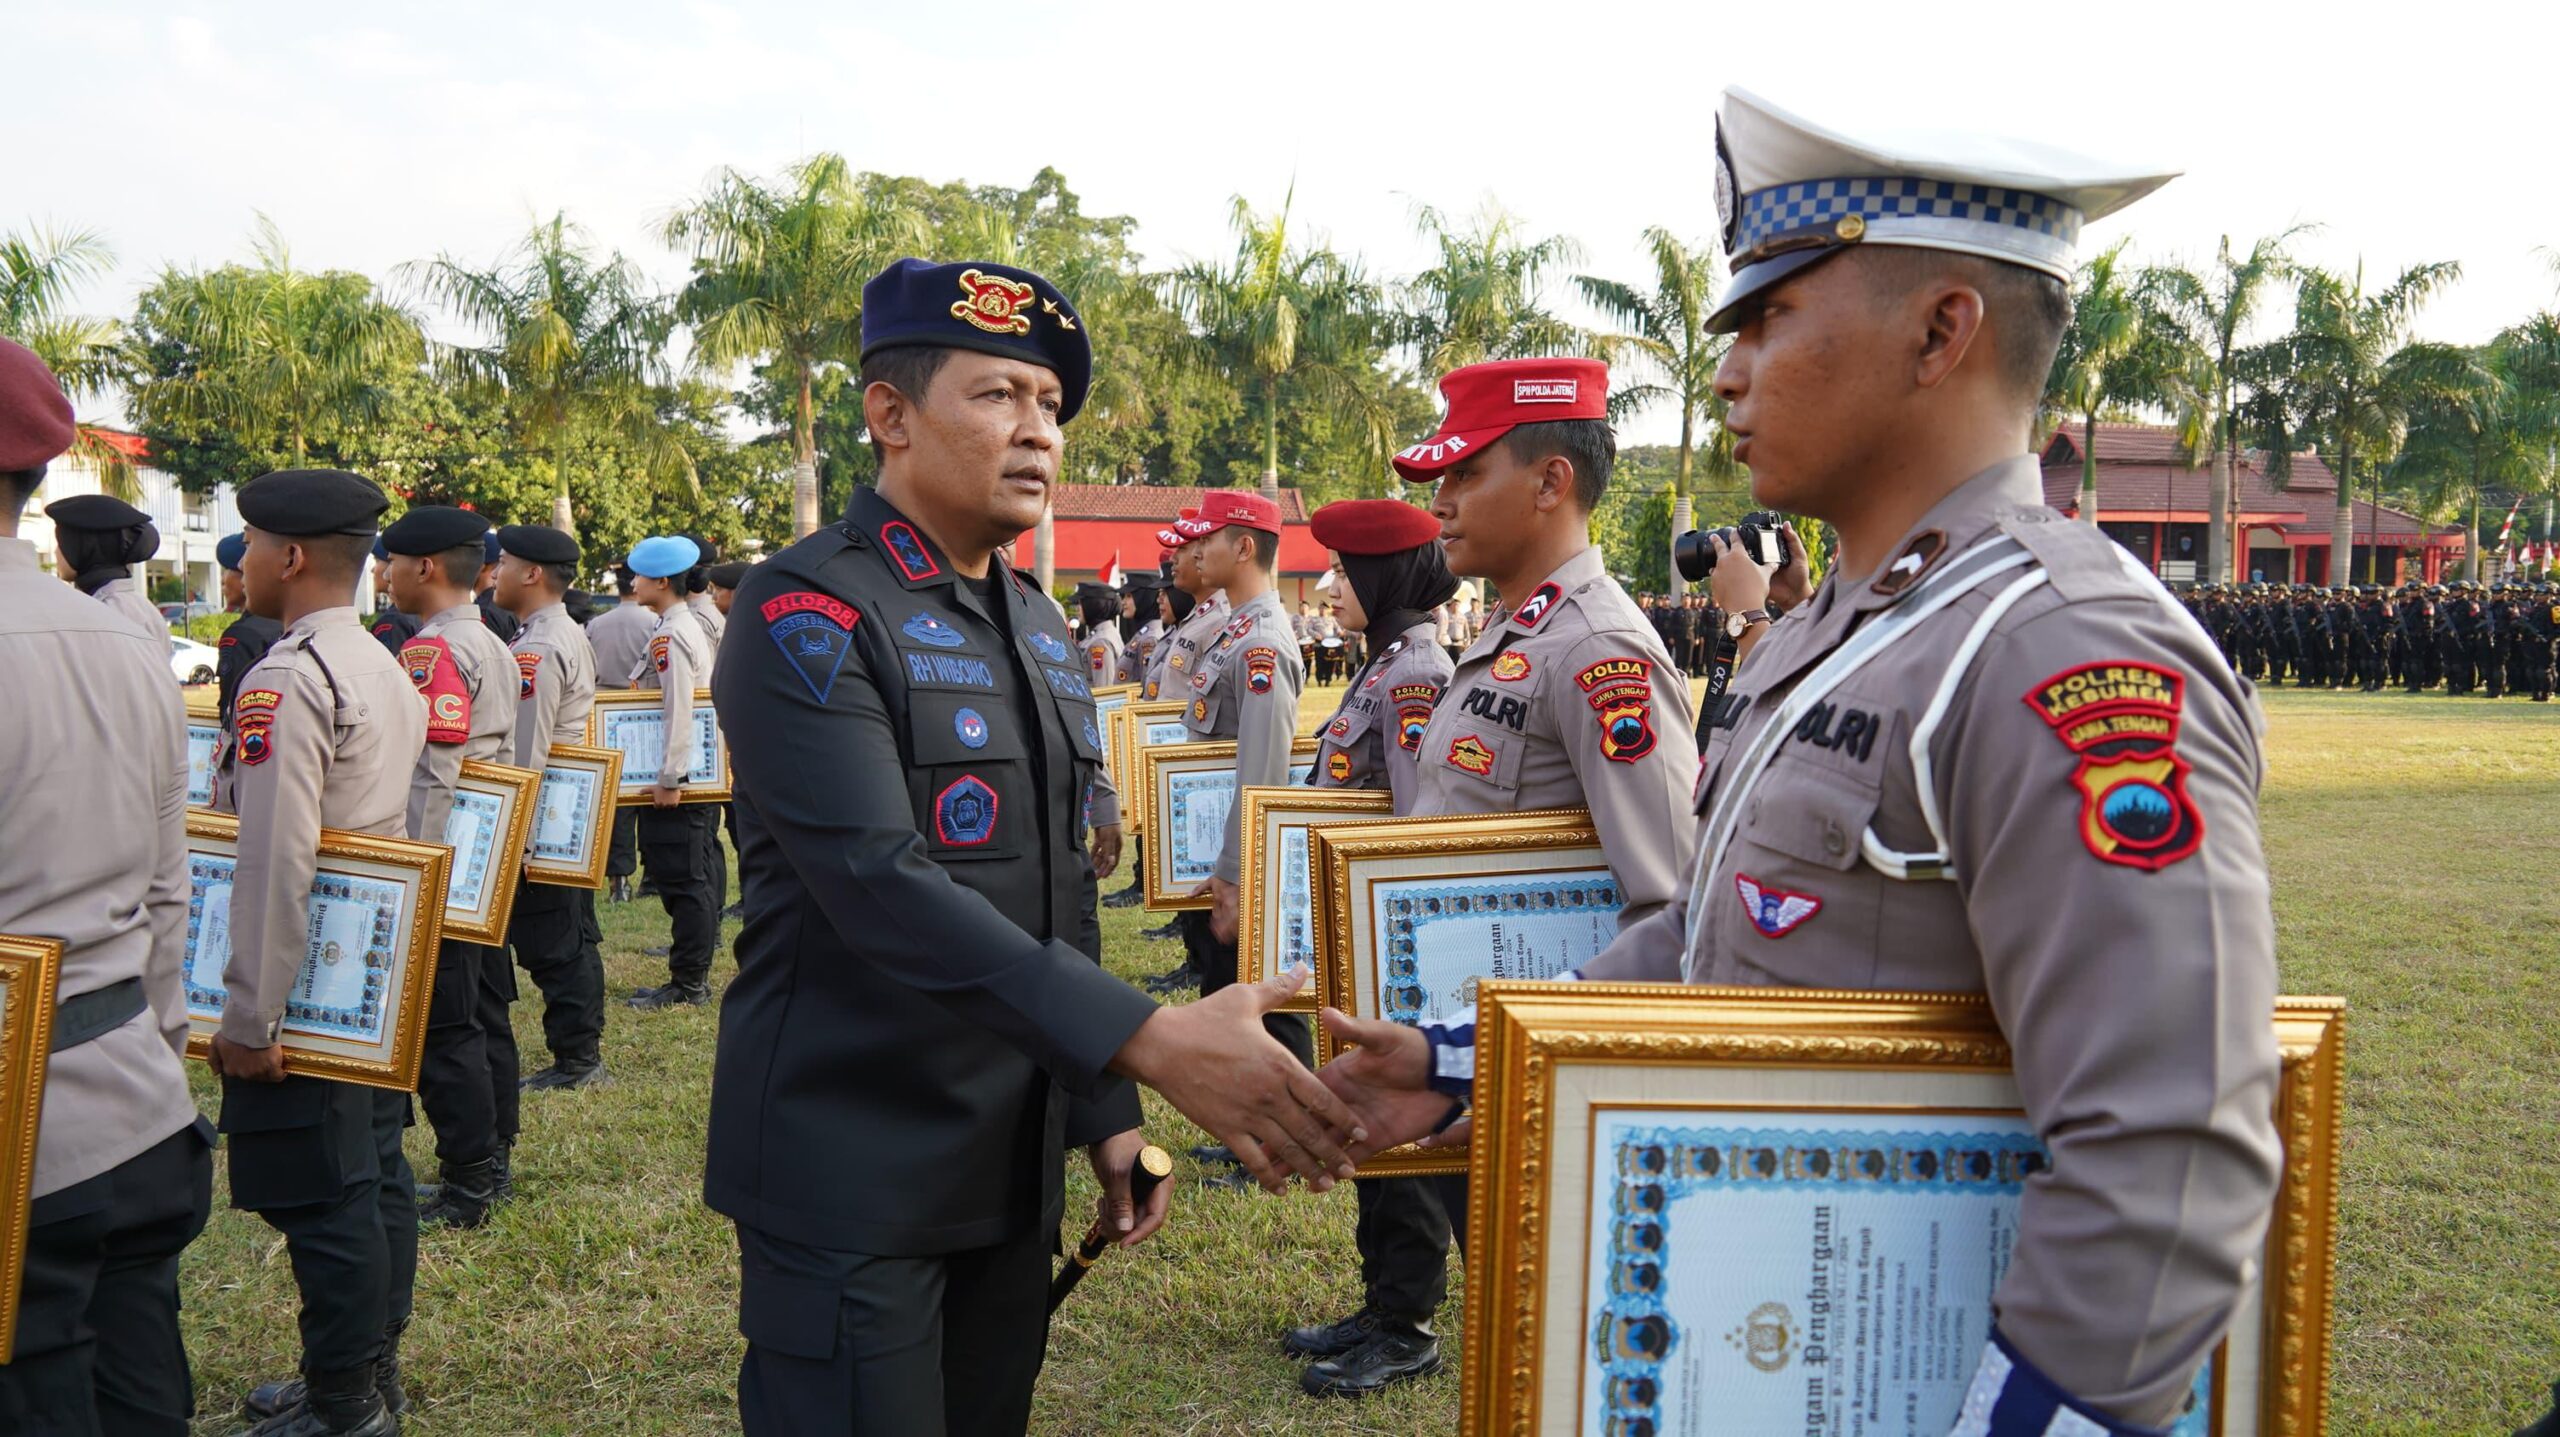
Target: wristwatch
[{"x": 1736, "y": 623}]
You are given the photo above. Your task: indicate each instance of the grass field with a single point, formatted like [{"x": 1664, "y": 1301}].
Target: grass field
[{"x": 2416, "y": 873}]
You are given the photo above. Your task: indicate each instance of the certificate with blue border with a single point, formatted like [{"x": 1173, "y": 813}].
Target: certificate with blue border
[
  {"x": 571, "y": 834},
  {"x": 633, "y": 723},
  {"x": 1188, "y": 793}
]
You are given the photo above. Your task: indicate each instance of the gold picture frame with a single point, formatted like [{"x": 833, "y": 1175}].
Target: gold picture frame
[
  {"x": 1178, "y": 777},
  {"x": 1276, "y": 849},
  {"x": 1134, "y": 722},
  {"x": 394, "y": 892},
  {"x": 1109, "y": 699},
  {"x": 571, "y": 838},
  {"x": 1536, "y": 880},
  {"x": 617, "y": 722},
  {"x": 30, "y": 969},
  {"x": 204, "y": 743},
  {"x": 491, "y": 818},
  {"x": 1557, "y": 1064}
]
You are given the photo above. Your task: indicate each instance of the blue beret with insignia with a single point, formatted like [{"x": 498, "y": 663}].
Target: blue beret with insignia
[
  {"x": 992, "y": 308},
  {"x": 230, "y": 550},
  {"x": 663, "y": 556}
]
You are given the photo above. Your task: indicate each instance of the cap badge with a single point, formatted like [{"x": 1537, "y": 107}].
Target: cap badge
[
  {"x": 1546, "y": 391},
  {"x": 1850, "y": 228},
  {"x": 992, "y": 300},
  {"x": 1065, "y": 320},
  {"x": 1728, "y": 193}
]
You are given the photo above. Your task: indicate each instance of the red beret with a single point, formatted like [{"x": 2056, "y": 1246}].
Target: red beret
[
  {"x": 1374, "y": 526},
  {"x": 35, "y": 416},
  {"x": 1487, "y": 401}
]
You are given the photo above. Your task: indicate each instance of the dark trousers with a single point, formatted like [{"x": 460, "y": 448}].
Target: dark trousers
[
  {"x": 1215, "y": 962},
  {"x": 102, "y": 1262},
  {"x": 675, "y": 843},
  {"x": 844, "y": 1344},
  {"x": 320, "y": 1162},
  {"x": 495, "y": 1013},
  {"x": 453, "y": 1074},
  {"x": 549, "y": 934},
  {"x": 622, "y": 859},
  {"x": 1403, "y": 1234}
]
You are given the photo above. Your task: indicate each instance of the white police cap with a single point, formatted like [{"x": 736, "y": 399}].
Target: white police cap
[{"x": 1790, "y": 193}]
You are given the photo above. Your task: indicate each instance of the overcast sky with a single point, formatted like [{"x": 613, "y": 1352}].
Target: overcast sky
[{"x": 2408, "y": 134}]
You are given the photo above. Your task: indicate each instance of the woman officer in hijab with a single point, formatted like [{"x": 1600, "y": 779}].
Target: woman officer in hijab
[{"x": 100, "y": 540}]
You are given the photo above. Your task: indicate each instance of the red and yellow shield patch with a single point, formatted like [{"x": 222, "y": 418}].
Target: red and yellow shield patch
[
  {"x": 1470, "y": 755},
  {"x": 2121, "y": 718}
]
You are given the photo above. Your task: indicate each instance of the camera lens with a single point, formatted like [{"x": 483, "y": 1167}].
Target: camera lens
[{"x": 1694, "y": 556}]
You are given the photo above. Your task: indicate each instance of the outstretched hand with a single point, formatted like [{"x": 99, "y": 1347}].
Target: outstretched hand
[
  {"x": 1387, "y": 1079},
  {"x": 1212, "y": 1060}
]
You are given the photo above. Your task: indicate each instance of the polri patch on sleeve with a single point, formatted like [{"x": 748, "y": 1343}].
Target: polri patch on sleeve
[
  {"x": 527, "y": 665},
  {"x": 254, "y": 742},
  {"x": 813, "y": 631},
  {"x": 1259, "y": 667},
  {"x": 964, "y": 813},
  {"x": 1620, "y": 691},
  {"x": 2120, "y": 718},
  {"x": 431, "y": 668},
  {"x": 658, "y": 648}
]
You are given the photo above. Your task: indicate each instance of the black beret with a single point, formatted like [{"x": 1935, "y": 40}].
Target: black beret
[
  {"x": 992, "y": 308},
  {"x": 94, "y": 512},
  {"x": 1090, "y": 590},
  {"x": 710, "y": 551},
  {"x": 731, "y": 574},
  {"x": 432, "y": 529},
  {"x": 1142, "y": 579},
  {"x": 538, "y": 542},
  {"x": 301, "y": 502}
]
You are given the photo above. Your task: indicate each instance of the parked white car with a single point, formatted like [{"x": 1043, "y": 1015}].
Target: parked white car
[{"x": 190, "y": 661}]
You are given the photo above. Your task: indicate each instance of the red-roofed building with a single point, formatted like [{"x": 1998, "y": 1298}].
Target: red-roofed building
[
  {"x": 2158, "y": 506},
  {"x": 1091, "y": 524}
]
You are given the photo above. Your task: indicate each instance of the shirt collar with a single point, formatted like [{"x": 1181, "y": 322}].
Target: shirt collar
[
  {"x": 912, "y": 558},
  {"x": 1570, "y": 577},
  {"x": 17, "y": 556},
  {"x": 468, "y": 609},
  {"x": 1952, "y": 525},
  {"x": 317, "y": 619}
]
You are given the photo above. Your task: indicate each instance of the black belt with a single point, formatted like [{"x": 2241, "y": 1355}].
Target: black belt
[{"x": 96, "y": 1013}]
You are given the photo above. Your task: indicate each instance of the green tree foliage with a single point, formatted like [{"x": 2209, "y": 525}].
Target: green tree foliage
[
  {"x": 1662, "y": 353},
  {"x": 2205, "y": 315}
]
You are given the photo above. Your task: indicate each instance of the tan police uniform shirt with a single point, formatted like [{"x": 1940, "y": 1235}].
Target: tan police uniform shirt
[
  {"x": 555, "y": 685},
  {"x": 1374, "y": 739},
  {"x": 93, "y": 794},
  {"x": 1567, "y": 700},
  {"x": 618, "y": 637},
  {"x": 1140, "y": 652},
  {"x": 715, "y": 625},
  {"x": 676, "y": 662},
  {"x": 128, "y": 598},
  {"x": 1245, "y": 686},
  {"x": 1180, "y": 651},
  {"x": 1102, "y": 654},
  {"x": 2097, "y": 772},
  {"x": 469, "y": 681},
  {"x": 330, "y": 733}
]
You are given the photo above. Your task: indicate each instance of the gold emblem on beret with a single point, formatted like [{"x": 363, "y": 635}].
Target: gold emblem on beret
[
  {"x": 992, "y": 300},
  {"x": 1851, "y": 228},
  {"x": 1066, "y": 321}
]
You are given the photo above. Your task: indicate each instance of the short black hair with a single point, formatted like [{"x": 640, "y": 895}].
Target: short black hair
[
  {"x": 906, "y": 368},
  {"x": 462, "y": 563},
  {"x": 1589, "y": 445},
  {"x": 17, "y": 486},
  {"x": 341, "y": 557},
  {"x": 624, "y": 579},
  {"x": 563, "y": 577},
  {"x": 2027, "y": 310},
  {"x": 1266, "y": 548}
]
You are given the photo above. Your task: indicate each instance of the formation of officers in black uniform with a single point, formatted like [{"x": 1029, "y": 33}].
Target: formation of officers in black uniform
[
  {"x": 2491, "y": 640},
  {"x": 1688, "y": 625}
]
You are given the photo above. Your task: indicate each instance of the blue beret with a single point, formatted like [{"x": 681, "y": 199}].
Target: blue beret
[
  {"x": 489, "y": 548},
  {"x": 230, "y": 550},
  {"x": 662, "y": 556},
  {"x": 380, "y": 552},
  {"x": 992, "y": 308}
]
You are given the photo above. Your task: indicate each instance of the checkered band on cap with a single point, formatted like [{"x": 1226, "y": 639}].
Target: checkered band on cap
[{"x": 2018, "y": 225}]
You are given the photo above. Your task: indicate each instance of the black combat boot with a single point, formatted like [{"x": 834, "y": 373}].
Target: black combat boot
[
  {"x": 271, "y": 1398},
  {"x": 1129, "y": 897},
  {"x": 567, "y": 1073},
  {"x": 651, "y": 999},
  {"x": 2549, "y": 1426},
  {"x": 465, "y": 1196},
  {"x": 1395, "y": 1352},
  {"x": 621, "y": 891},
  {"x": 344, "y": 1403},
  {"x": 1331, "y": 1339}
]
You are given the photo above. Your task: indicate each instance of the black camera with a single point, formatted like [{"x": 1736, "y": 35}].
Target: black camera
[{"x": 1756, "y": 536}]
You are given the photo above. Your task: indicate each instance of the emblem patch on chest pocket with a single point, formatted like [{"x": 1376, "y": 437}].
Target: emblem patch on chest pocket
[{"x": 964, "y": 813}]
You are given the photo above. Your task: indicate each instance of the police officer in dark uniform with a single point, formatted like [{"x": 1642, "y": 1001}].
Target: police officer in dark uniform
[
  {"x": 915, "y": 935},
  {"x": 388, "y": 623},
  {"x": 246, "y": 641}
]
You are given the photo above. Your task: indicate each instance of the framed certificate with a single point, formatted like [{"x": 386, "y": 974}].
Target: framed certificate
[
  {"x": 572, "y": 831},
  {"x": 629, "y": 722},
  {"x": 492, "y": 812},
  {"x": 1765, "y": 1210},
  {"x": 1275, "y": 905},
  {"x": 1188, "y": 791},
  {"x": 1109, "y": 699},
  {"x": 1141, "y": 724},
  {"x": 29, "y": 969},
  {"x": 358, "y": 1012},
  {"x": 204, "y": 743},
  {"x": 1414, "y": 913}
]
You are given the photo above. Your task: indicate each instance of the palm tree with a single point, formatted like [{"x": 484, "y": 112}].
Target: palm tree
[
  {"x": 574, "y": 343},
  {"x": 1481, "y": 299},
  {"x": 778, "y": 272},
  {"x": 2351, "y": 378},
  {"x": 1665, "y": 328},
  {"x": 38, "y": 273},
  {"x": 2211, "y": 312},
  {"x": 1278, "y": 320},
  {"x": 275, "y": 356},
  {"x": 2114, "y": 355},
  {"x": 2483, "y": 433}
]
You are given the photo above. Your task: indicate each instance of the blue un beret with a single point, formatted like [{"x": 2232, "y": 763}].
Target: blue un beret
[
  {"x": 992, "y": 308},
  {"x": 230, "y": 550},
  {"x": 662, "y": 557}
]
